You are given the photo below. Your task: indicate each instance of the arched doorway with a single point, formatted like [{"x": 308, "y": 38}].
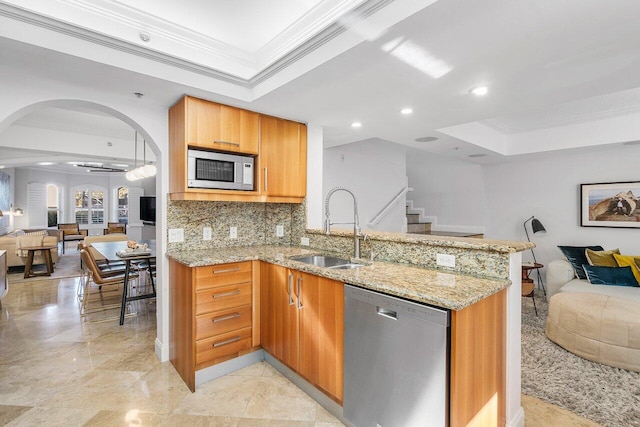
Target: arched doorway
[{"x": 8, "y": 117}]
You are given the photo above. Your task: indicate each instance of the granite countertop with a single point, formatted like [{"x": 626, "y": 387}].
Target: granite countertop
[
  {"x": 502, "y": 246},
  {"x": 434, "y": 287}
]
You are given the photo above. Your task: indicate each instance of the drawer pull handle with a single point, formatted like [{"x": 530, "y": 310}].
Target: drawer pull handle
[
  {"x": 226, "y": 294},
  {"x": 229, "y": 270},
  {"x": 225, "y": 342},
  {"x": 228, "y": 317},
  {"x": 220, "y": 141}
]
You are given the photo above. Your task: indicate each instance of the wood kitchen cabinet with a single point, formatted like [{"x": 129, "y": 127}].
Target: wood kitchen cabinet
[
  {"x": 220, "y": 127},
  {"x": 283, "y": 158},
  {"x": 280, "y": 146},
  {"x": 212, "y": 316},
  {"x": 302, "y": 325}
]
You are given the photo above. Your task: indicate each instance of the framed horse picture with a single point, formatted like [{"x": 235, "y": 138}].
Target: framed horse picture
[{"x": 611, "y": 204}]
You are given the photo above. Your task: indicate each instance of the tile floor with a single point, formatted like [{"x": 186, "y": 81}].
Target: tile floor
[{"x": 56, "y": 370}]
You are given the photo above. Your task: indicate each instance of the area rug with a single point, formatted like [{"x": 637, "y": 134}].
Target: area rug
[
  {"x": 606, "y": 395},
  {"x": 68, "y": 265}
]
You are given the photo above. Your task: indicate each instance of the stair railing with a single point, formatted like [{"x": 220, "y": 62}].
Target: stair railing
[{"x": 376, "y": 219}]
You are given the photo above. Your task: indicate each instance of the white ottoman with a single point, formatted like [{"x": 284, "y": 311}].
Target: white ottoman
[{"x": 597, "y": 327}]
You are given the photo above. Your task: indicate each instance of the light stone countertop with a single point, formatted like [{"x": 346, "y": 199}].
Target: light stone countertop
[
  {"x": 502, "y": 246},
  {"x": 434, "y": 287}
]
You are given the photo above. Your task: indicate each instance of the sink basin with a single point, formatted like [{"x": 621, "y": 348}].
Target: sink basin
[
  {"x": 349, "y": 266},
  {"x": 323, "y": 261},
  {"x": 328, "y": 262}
]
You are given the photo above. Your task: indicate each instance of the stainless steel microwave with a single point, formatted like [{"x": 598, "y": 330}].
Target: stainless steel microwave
[{"x": 208, "y": 169}]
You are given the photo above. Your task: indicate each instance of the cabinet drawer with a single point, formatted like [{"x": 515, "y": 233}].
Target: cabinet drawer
[
  {"x": 224, "y": 297},
  {"x": 219, "y": 322},
  {"x": 222, "y": 345},
  {"x": 224, "y": 274}
]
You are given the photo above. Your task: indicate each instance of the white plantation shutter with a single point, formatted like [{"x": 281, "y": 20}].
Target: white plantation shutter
[{"x": 36, "y": 205}]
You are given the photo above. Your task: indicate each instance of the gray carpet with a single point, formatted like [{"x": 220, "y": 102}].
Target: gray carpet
[
  {"x": 68, "y": 265},
  {"x": 606, "y": 395}
]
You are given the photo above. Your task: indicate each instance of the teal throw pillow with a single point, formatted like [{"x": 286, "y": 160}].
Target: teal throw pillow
[
  {"x": 612, "y": 276},
  {"x": 576, "y": 256}
]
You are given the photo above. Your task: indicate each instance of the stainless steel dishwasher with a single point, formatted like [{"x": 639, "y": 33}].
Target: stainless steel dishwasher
[{"x": 396, "y": 361}]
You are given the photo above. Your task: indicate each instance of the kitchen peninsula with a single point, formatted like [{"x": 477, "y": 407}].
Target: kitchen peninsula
[{"x": 475, "y": 292}]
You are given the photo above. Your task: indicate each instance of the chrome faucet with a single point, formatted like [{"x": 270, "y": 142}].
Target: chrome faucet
[{"x": 356, "y": 220}]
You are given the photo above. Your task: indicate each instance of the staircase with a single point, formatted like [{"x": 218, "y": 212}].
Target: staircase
[{"x": 414, "y": 225}]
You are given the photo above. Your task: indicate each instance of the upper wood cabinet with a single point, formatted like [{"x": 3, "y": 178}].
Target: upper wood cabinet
[
  {"x": 283, "y": 157},
  {"x": 280, "y": 146},
  {"x": 221, "y": 127}
]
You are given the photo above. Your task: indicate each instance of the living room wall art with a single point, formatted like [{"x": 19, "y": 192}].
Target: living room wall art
[
  {"x": 5, "y": 198},
  {"x": 611, "y": 204}
]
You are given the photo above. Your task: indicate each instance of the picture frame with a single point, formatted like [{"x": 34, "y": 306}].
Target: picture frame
[{"x": 610, "y": 204}]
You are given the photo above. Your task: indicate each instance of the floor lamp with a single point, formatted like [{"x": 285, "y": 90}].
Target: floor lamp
[{"x": 536, "y": 227}]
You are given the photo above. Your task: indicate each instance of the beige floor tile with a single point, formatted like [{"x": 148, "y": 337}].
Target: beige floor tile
[
  {"x": 136, "y": 418},
  {"x": 53, "y": 417},
  {"x": 227, "y": 396},
  {"x": 276, "y": 398},
  {"x": 245, "y": 422},
  {"x": 10, "y": 412}
]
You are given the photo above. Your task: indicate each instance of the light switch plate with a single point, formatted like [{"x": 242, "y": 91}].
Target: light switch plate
[
  {"x": 233, "y": 232},
  {"x": 279, "y": 231},
  {"x": 445, "y": 260},
  {"x": 206, "y": 233},
  {"x": 176, "y": 235}
]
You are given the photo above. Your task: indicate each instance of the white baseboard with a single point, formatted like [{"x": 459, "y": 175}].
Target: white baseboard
[{"x": 162, "y": 351}]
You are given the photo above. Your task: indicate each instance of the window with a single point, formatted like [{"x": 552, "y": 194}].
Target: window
[
  {"x": 53, "y": 205},
  {"x": 89, "y": 205},
  {"x": 123, "y": 204}
]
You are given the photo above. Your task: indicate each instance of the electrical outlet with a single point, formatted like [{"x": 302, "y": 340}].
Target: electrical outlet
[
  {"x": 176, "y": 235},
  {"x": 233, "y": 232},
  {"x": 445, "y": 260},
  {"x": 206, "y": 233},
  {"x": 279, "y": 231},
  {"x": 304, "y": 241}
]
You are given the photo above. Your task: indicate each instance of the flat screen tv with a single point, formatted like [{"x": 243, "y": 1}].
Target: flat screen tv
[{"x": 148, "y": 208}]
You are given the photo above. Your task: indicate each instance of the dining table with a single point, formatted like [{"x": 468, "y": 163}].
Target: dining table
[{"x": 117, "y": 251}]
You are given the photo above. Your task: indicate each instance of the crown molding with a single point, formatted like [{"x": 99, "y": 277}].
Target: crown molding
[{"x": 306, "y": 42}]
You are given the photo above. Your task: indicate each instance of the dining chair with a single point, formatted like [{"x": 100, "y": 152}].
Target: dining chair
[
  {"x": 115, "y": 227},
  {"x": 70, "y": 232},
  {"x": 107, "y": 286}
]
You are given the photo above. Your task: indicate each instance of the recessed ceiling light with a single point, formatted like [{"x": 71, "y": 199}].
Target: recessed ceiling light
[
  {"x": 406, "y": 111},
  {"x": 426, "y": 139},
  {"x": 45, "y": 163},
  {"x": 480, "y": 90},
  {"x": 356, "y": 125},
  {"x": 477, "y": 155}
]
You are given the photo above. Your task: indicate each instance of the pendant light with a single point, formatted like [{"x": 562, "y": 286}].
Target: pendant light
[{"x": 144, "y": 171}]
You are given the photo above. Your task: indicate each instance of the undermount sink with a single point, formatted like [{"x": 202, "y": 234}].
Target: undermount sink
[{"x": 328, "y": 262}]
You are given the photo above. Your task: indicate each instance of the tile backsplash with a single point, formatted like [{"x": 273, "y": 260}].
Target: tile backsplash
[{"x": 256, "y": 223}]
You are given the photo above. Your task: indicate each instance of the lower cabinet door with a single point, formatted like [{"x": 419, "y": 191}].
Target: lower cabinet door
[
  {"x": 322, "y": 333},
  {"x": 279, "y": 314}
]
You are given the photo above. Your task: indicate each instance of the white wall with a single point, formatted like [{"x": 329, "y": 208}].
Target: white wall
[
  {"x": 548, "y": 187},
  {"x": 375, "y": 171},
  {"x": 449, "y": 189}
]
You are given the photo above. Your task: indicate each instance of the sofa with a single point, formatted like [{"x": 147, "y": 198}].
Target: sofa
[
  {"x": 561, "y": 277},
  {"x": 8, "y": 243}
]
